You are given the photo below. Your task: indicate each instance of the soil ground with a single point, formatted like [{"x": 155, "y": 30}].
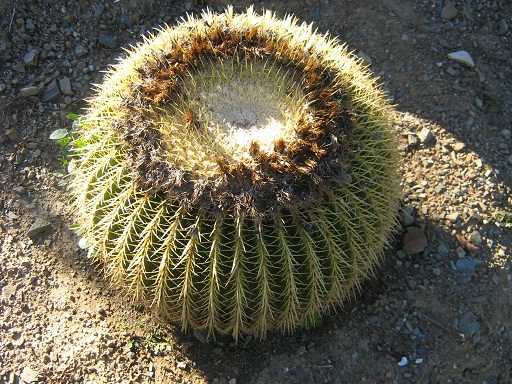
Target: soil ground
[{"x": 440, "y": 315}]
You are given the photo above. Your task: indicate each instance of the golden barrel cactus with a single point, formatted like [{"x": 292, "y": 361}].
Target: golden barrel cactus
[{"x": 237, "y": 173}]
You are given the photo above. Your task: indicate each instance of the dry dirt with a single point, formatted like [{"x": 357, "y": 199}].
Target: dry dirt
[{"x": 441, "y": 315}]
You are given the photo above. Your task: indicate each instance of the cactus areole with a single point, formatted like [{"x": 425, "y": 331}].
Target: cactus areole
[{"x": 237, "y": 173}]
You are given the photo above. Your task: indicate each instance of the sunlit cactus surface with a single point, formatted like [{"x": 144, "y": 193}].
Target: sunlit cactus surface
[{"x": 236, "y": 173}]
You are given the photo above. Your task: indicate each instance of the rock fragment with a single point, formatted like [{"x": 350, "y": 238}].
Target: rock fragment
[
  {"x": 415, "y": 240},
  {"x": 425, "y": 136},
  {"x": 449, "y": 11},
  {"x": 462, "y": 57},
  {"x": 30, "y": 58},
  {"x": 51, "y": 92},
  {"x": 107, "y": 41},
  {"x": 503, "y": 27},
  {"x": 466, "y": 266},
  {"x": 469, "y": 326},
  {"x": 28, "y": 375},
  {"x": 65, "y": 86},
  {"x": 38, "y": 227},
  {"x": 30, "y": 91}
]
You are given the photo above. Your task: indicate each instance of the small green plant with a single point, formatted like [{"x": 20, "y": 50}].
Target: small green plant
[
  {"x": 153, "y": 342},
  {"x": 491, "y": 103},
  {"x": 503, "y": 219},
  {"x": 63, "y": 138}
]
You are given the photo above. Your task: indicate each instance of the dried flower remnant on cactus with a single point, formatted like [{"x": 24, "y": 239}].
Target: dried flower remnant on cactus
[{"x": 237, "y": 173}]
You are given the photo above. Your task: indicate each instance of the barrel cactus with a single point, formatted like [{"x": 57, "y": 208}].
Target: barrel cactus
[{"x": 237, "y": 173}]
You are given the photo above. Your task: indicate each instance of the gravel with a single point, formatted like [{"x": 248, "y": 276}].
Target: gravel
[{"x": 438, "y": 314}]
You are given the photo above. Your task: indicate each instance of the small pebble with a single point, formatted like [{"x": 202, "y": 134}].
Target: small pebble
[
  {"x": 462, "y": 57},
  {"x": 107, "y": 41},
  {"x": 425, "y": 136},
  {"x": 449, "y": 11},
  {"x": 467, "y": 266}
]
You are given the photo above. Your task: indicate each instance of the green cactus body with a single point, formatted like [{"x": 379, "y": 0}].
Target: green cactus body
[{"x": 237, "y": 173}]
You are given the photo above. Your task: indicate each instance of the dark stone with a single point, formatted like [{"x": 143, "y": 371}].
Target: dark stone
[
  {"x": 107, "y": 41},
  {"x": 467, "y": 266},
  {"x": 99, "y": 10},
  {"x": 51, "y": 92},
  {"x": 469, "y": 326},
  {"x": 39, "y": 226}
]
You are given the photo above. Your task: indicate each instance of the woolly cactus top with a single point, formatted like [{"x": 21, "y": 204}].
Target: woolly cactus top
[{"x": 237, "y": 172}]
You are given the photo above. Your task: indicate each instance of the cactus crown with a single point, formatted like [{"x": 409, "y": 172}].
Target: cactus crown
[{"x": 237, "y": 172}]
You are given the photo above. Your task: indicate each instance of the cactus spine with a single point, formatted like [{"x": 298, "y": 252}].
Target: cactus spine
[{"x": 237, "y": 173}]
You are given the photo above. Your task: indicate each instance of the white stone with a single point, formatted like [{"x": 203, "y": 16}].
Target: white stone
[
  {"x": 462, "y": 57},
  {"x": 403, "y": 362},
  {"x": 425, "y": 135},
  {"x": 28, "y": 375}
]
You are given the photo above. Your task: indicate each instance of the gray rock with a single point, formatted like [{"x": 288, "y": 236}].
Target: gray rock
[
  {"x": 8, "y": 291},
  {"x": 454, "y": 217},
  {"x": 28, "y": 375},
  {"x": 476, "y": 238},
  {"x": 99, "y": 10},
  {"x": 30, "y": 57},
  {"x": 51, "y": 92},
  {"x": 469, "y": 326},
  {"x": 29, "y": 24},
  {"x": 367, "y": 60},
  {"x": 20, "y": 190},
  {"x": 462, "y": 57},
  {"x": 126, "y": 19},
  {"x": 38, "y": 227},
  {"x": 467, "y": 266},
  {"x": 446, "y": 44},
  {"x": 503, "y": 27},
  {"x": 443, "y": 249},
  {"x": 412, "y": 140},
  {"x": 408, "y": 216},
  {"x": 452, "y": 71},
  {"x": 449, "y": 11},
  {"x": 510, "y": 159},
  {"x": 12, "y": 133},
  {"x": 188, "y": 5},
  {"x": 80, "y": 51},
  {"x": 506, "y": 134},
  {"x": 65, "y": 86},
  {"x": 30, "y": 91},
  {"x": 425, "y": 136},
  {"x": 107, "y": 41},
  {"x": 19, "y": 68}
]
